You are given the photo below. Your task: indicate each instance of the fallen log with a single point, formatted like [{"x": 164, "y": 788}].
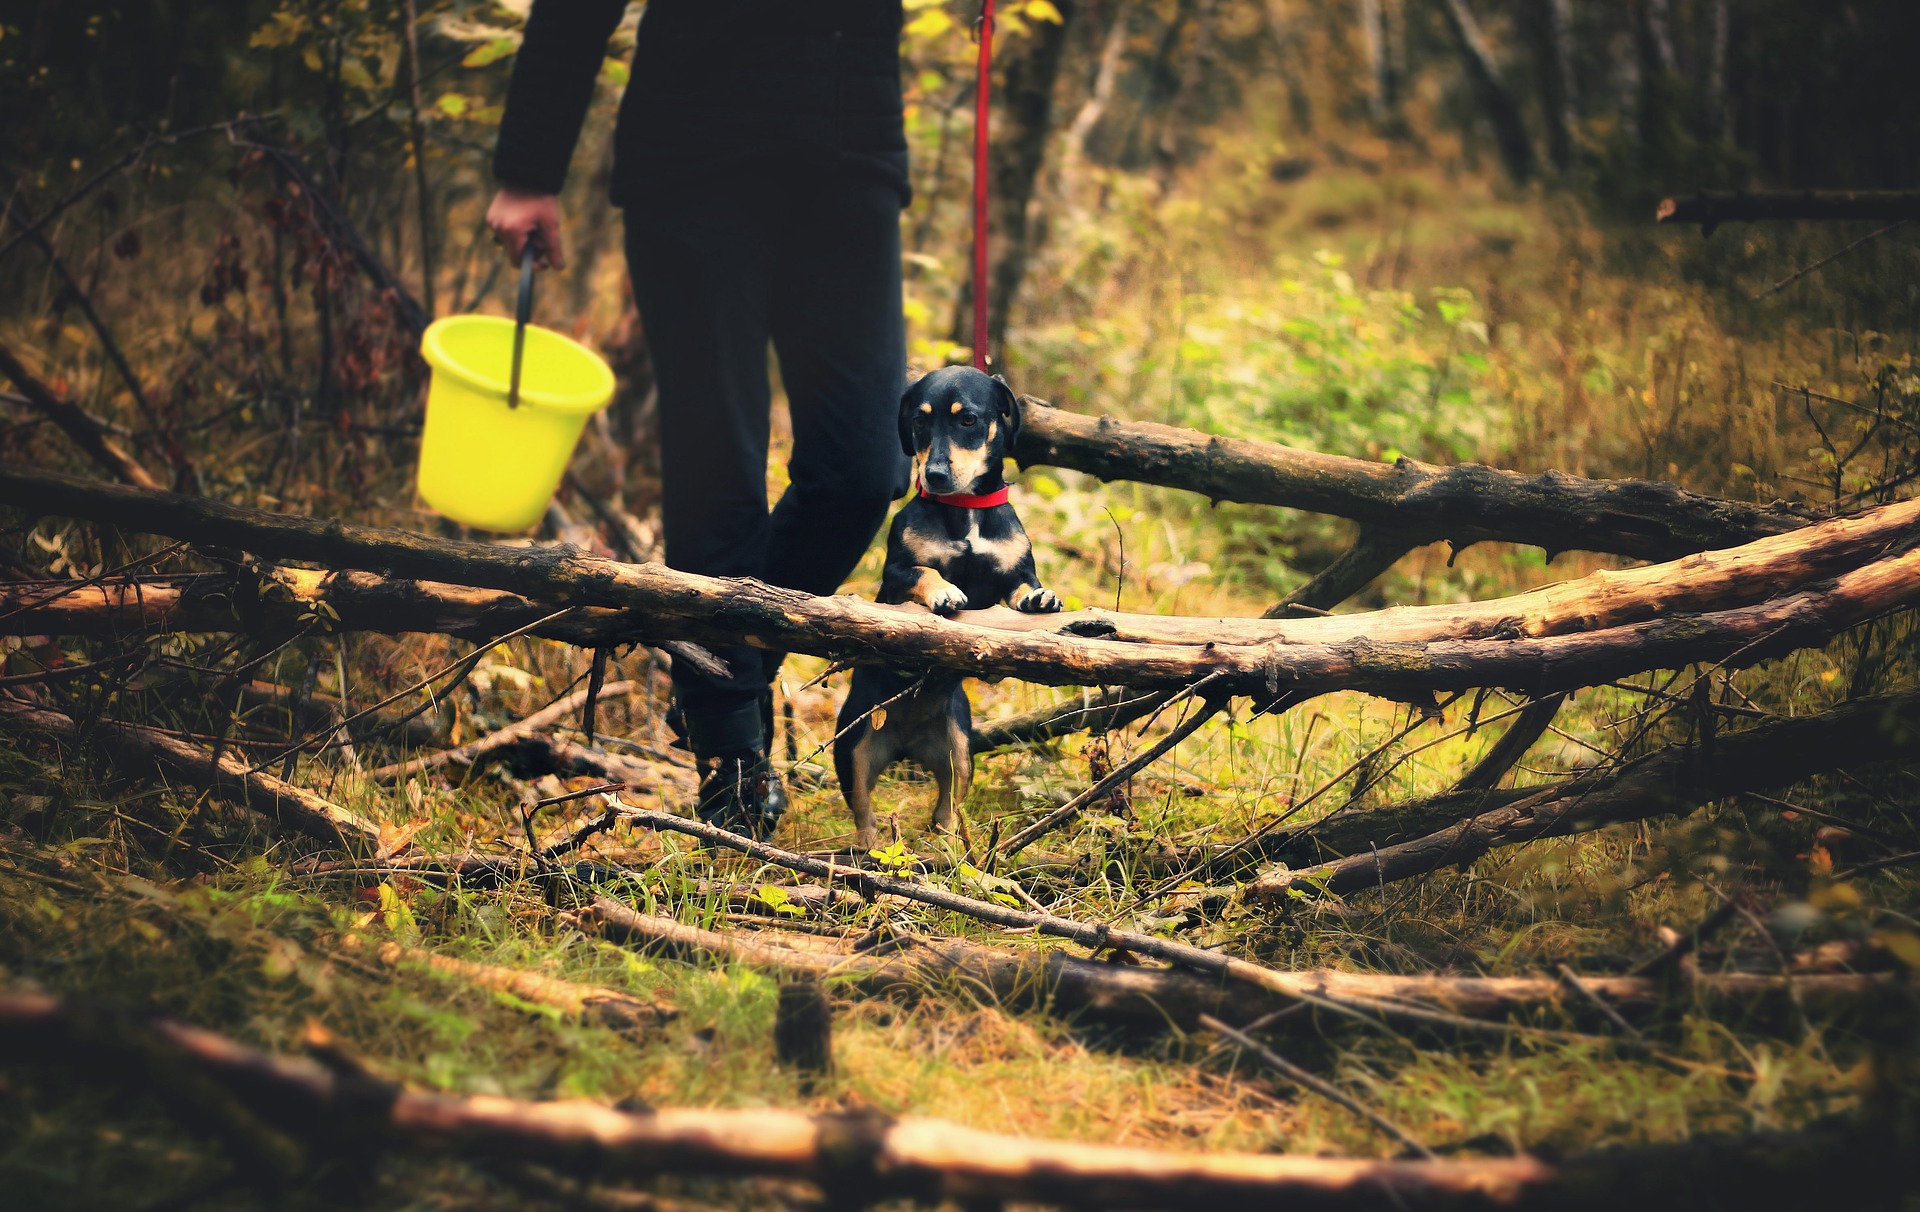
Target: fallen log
[
  {"x": 1351, "y": 831},
  {"x": 1418, "y": 503},
  {"x": 594, "y": 1002},
  {"x": 284, "y": 601},
  {"x": 1390, "y": 1003},
  {"x": 1711, "y": 208},
  {"x": 226, "y": 775},
  {"x": 1407, "y": 653},
  {"x": 1146, "y": 999},
  {"x": 1670, "y": 782},
  {"x": 868, "y": 1156}
]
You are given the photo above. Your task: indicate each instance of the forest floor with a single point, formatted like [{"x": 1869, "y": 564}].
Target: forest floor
[{"x": 1363, "y": 313}]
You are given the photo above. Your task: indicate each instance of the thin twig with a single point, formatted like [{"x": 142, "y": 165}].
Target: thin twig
[
  {"x": 1599, "y": 1003},
  {"x": 1791, "y": 278},
  {"x": 862, "y": 718},
  {"x": 107, "y": 344},
  {"x": 1320, "y": 1086},
  {"x": 1880, "y": 864},
  {"x": 458, "y": 669},
  {"x": 473, "y": 751},
  {"x": 1209, "y": 708}
]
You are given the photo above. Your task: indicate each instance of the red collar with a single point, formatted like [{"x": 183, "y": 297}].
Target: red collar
[{"x": 997, "y": 497}]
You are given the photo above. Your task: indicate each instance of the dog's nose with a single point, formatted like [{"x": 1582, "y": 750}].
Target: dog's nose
[{"x": 938, "y": 479}]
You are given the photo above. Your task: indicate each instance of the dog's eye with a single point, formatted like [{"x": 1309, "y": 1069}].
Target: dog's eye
[{"x": 969, "y": 420}]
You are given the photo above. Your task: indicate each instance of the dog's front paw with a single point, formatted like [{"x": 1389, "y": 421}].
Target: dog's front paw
[
  {"x": 1037, "y": 601},
  {"x": 947, "y": 600}
]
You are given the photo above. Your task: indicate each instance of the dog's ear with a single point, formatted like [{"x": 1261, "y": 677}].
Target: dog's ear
[
  {"x": 1009, "y": 409},
  {"x": 914, "y": 397}
]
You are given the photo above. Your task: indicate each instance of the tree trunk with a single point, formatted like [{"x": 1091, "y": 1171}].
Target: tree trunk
[
  {"x": 1382, "y": 91},
  {"x": 1560, "y": 94},
  {"x": 1503, "y": 109},
  {"x": 1658, "y": 18},
  {"x": 1182, "y": 112},
  {"x": 1099, "y": 96},
  {"x": 1283, "y": 32},
  {"x": 1716, "y": 120}
]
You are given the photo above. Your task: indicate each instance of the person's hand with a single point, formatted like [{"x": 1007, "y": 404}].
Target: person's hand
[{"x": 516, "y": 213}]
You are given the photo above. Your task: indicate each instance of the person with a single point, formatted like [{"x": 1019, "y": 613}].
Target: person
[{"x": 761, "y": 167}]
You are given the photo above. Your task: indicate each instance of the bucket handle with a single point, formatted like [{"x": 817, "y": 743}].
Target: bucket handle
[{"x": 523, "y": 312}]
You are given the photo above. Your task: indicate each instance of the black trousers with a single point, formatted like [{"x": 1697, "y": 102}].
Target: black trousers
[{"x": 720, "y": 268}]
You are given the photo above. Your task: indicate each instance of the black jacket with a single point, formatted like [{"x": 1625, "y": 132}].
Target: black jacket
[{"x": 773, "y": 87}]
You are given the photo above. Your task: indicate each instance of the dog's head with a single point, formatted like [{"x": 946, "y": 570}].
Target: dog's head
[{"x": 958, "y": 424}]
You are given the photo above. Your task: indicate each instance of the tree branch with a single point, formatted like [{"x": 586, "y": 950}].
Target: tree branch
[
  {"x": 868, "y": 1156},
  {"x": 1645, "y": 519},
  {"x": 1711, "y": 208},
  {"x": 76, "y": 424},
  {"x": 474, "y": 751},
  {"x": 1407, "y": 653},
  {"x": 226, "y": 774},
  {"x": 1672, "y": 781}
]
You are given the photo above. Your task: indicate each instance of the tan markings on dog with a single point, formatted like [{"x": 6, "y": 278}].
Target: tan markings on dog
[
  {"x": 926, "y": 408},
  {"x": 928, "y": 550},
  {"x": 860, "y": 794},
  {"x": 956, "y": 407},
  {"x": 1004, "y": 552},
  {"x": 1021, "y": 594},
  {"x": 968, "y": 466},
  {"x": 993, "y": 427},
  {"x": 928, "y": 586},
  {"x": 919, "y": 468}
]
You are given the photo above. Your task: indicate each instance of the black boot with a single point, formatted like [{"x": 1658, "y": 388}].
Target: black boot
[{"x": 741, "y": 792}]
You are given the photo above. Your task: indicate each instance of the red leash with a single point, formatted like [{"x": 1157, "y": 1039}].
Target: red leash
[{"x": 980, "y": 97}]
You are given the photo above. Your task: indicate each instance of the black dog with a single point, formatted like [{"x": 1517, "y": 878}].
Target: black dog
[{"x": 956, "y": 544}]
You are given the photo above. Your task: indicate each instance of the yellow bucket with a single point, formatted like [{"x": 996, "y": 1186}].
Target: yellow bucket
[{"x": 483, "y": 463}]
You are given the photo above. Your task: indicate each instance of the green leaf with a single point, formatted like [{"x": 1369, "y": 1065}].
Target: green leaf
[
  {"x": 929, "y": 24},
  {"x": 452, "y": 104},
  {"x": 776, "y": 899},
  {"x": 491, "y": 52},
  {"x": 895, "y": 857}
]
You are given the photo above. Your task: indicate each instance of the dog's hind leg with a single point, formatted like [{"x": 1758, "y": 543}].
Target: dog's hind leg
[
  {"x": 952, "y": 768},
  {"x": 857, "y": 781}
]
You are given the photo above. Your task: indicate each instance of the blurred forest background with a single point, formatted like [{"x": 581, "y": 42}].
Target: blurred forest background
[{"x": 1371, "y": 228}]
